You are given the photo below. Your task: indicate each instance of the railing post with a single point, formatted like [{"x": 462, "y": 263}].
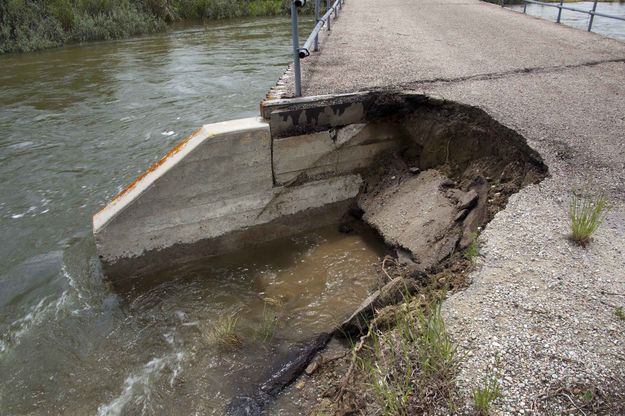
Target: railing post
[
  {"x": 524, "y": 6},
  {"x": 317, "y": 7},
  {"x": 559, "y": 11},
  {"x": 295, "y": 37},
  {"x": 330, "y": 15},
  {"x": 592, "y": 15}
]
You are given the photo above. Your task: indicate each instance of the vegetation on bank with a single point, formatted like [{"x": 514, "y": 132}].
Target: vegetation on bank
[
  {"x": 586, "y": 214},
  {"x": 413, "y": 366},
  {"x": 225, "y": 333},
  {"x": 27, "y": 25}
]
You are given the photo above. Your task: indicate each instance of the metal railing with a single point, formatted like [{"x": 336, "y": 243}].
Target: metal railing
[
  {"x": 313, "y": 38},
  {"x": 560, "y": 6}
]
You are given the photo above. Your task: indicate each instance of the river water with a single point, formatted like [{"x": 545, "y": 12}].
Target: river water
[
  {"x": 605, "y": 26},
  {"x": 77, "y": 124}
]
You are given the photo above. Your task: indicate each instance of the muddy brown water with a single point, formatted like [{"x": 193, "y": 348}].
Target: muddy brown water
[{"x": 79, "y": 123}]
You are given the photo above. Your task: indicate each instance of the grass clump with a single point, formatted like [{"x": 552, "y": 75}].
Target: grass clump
[
  {"x": 437, "y": 352},
  {"x": 586, "y": 213},
  {"x": 224, "y": 333},
  {"x": 268, "y": 325},
  {"x": 619, "y": 313},
  {"x": 485, "y": 394},
  {"x": 391, "y": 368}
]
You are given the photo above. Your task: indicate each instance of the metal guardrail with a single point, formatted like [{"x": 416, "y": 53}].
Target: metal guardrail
[
  {"x": 560, "y": 6},
  {"x": 313, "y": 38}
]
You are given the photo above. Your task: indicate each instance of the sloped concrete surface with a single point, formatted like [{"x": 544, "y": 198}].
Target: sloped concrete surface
[{"x": 217, "y": 182}]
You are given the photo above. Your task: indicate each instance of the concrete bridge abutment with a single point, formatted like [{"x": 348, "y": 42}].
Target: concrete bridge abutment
[{"x": 239, "y": 183}]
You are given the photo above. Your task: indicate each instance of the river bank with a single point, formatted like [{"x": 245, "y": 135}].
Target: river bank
[{"x": 30, "y": 25}]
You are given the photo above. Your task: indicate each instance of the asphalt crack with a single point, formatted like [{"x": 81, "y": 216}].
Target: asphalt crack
[{"x": 504, "y": 74}]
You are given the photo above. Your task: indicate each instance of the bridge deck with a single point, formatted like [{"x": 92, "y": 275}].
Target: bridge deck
[{"x": 407, "y": 43}]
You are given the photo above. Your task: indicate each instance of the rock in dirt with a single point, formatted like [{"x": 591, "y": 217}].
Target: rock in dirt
[
  {"x": 419, "y": 214},
  {"x": 334, "y": 350},
  {"x": 391, "y": 293},
  {"x": 467, "y": 200},
  {"x": 478, "y": 215},
  {"x": 313, "y": 366}
]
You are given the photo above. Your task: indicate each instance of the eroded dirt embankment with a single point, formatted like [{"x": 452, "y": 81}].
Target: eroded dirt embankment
[
  {"x": 428, "y": 199},
  {"x": 456, "y": 169}
]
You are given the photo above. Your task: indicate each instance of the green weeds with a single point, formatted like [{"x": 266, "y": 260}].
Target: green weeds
[
  {"x": 391, "y": 368},
  {"x": 473, "y": 250},
  {"x": 586, "y": 213},
  {"x": 437, "y": 352},
  {"x": 619, "y": 313},
  {"x": 485, "y": 394},
  {"x": 413, "y": 366},
  {"x": 267, "y": 327}
]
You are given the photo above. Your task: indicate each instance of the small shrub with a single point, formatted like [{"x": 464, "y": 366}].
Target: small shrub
[
  {"x": 485, "y": 394},
  {"x": 586, "y": 214},
  {"x": 162, "y": 9},
  {"x": 62, "y": 11}
]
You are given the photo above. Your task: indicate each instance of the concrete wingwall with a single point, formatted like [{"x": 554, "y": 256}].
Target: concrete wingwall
[{"x": 238, "y": 183}]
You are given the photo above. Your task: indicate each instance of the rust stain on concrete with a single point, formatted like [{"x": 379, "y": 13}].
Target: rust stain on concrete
[{"x": 155, "y": 166}]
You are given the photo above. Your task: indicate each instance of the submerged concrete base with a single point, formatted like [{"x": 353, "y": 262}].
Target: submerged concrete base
[{"x": 157, "y": 264}]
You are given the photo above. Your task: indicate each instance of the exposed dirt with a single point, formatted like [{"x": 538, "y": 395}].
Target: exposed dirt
[{"x": 457, "y": 168}]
